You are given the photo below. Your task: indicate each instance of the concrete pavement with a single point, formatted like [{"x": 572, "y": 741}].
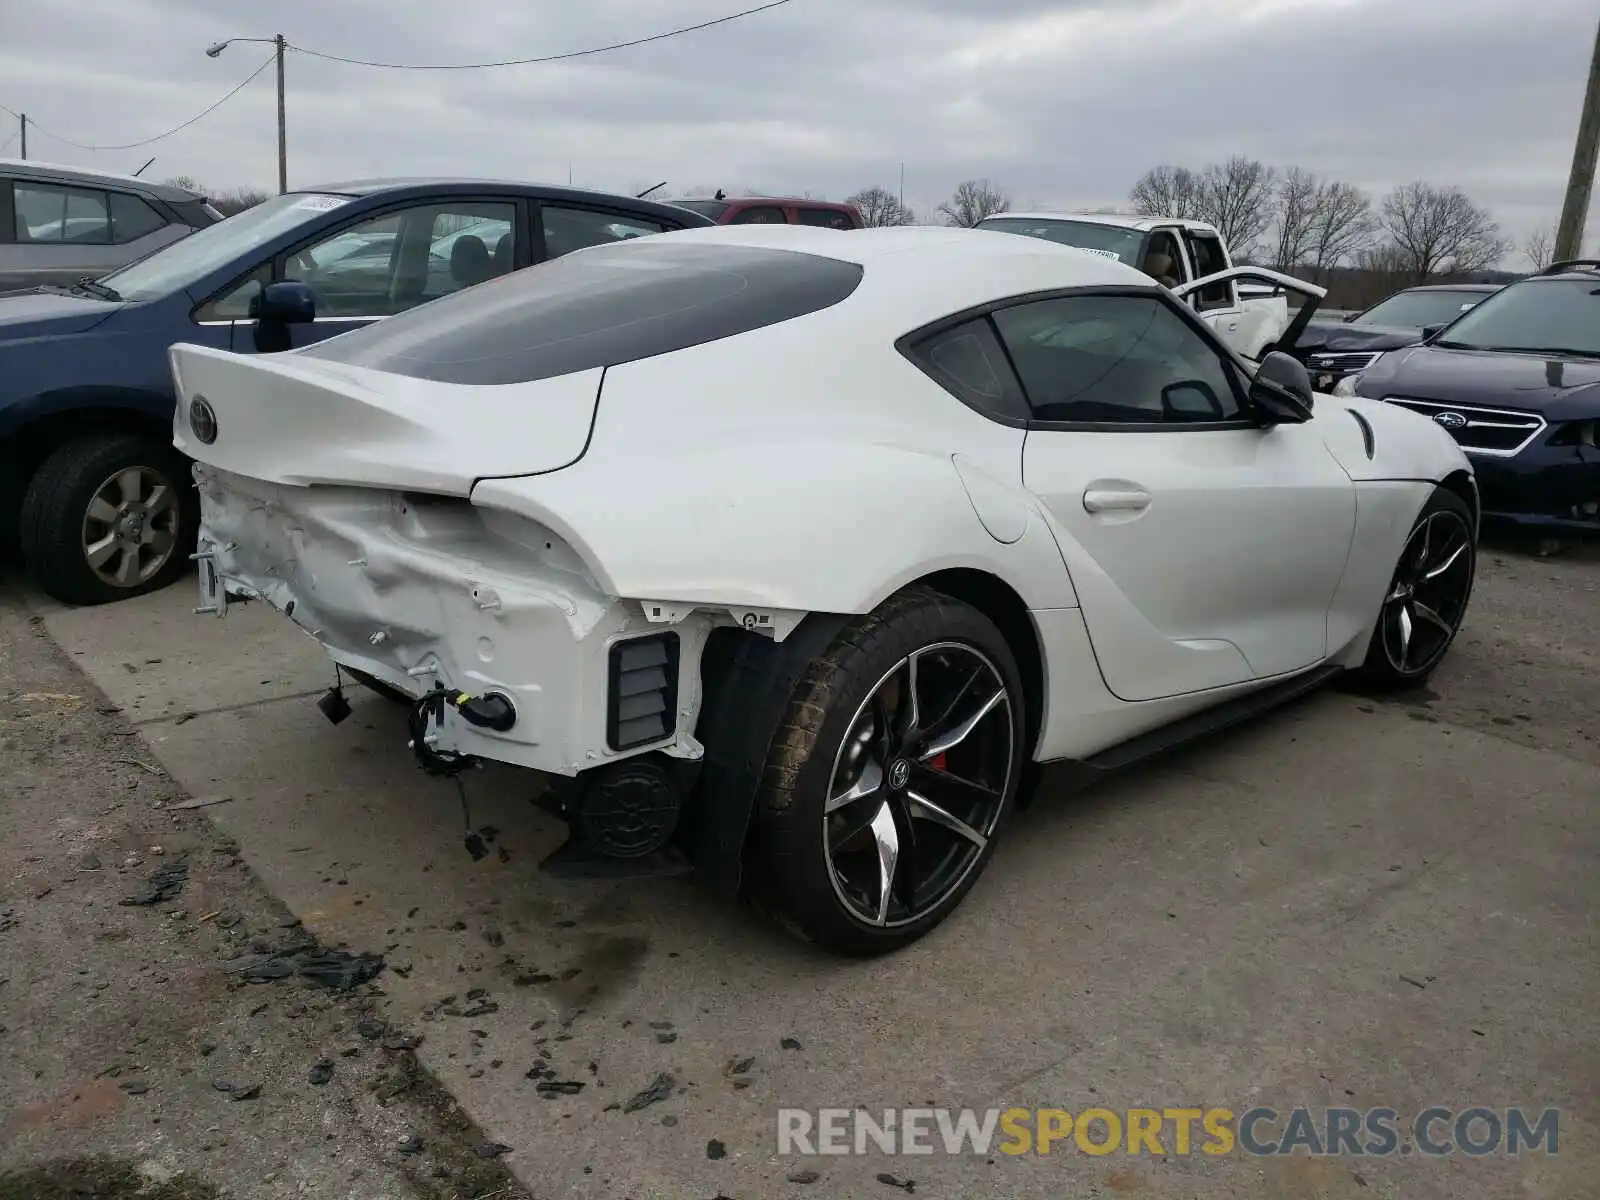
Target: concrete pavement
[{"x": 1351, "y": 903}]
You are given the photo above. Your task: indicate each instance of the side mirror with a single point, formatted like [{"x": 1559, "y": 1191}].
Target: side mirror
[
  {"x": 1429, "y": 332},
  {"x": 285, "y": 302},
  {"x": 1281, "y": 392}
]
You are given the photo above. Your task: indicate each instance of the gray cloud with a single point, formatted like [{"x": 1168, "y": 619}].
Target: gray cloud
[{"x": 1062, "y": 103}]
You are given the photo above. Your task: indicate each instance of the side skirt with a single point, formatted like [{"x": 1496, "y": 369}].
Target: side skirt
[{"x": 1204, "y": 724}]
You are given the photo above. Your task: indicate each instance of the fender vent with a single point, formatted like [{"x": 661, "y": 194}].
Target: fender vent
[{"x": 642, "y": 700}]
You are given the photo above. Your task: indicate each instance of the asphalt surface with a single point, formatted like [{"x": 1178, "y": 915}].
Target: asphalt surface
[{"x": 1352, "y": 902}]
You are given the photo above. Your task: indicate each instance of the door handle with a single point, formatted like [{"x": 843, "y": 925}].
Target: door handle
[{"x": 1115, "y": 500}]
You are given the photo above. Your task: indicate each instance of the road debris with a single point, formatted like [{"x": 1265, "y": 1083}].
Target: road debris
[
  {"x": 321, "y": 1072},
  {"x": 660, "y": 1089},
  {"x": 201, "y": 802},
  {"x": 165, "y": 883},
  {"x": 905, "y": 1185},
  {"x": 715, "y": 1150},
  {"x": 803, "y": 1176}
]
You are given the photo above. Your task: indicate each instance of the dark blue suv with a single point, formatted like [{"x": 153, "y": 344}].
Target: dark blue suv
[{"x": 92, "y": 492}]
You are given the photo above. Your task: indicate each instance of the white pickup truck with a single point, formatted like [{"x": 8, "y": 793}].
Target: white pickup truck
[{"x": 1189, "y": 257}]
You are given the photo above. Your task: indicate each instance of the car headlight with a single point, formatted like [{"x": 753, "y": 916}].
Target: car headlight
[{"x": 1347, "y": 385}]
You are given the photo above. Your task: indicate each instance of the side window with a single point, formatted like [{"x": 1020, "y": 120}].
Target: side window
[
  {"x": 569, "y": 229},
  {"x": 1115, "y": 359},
  {"x": 132, "y": 218},
  {"x": 389, "y": 263},
  {"x": 827, "y": 218},
  {"x": 1208, "y": 260},
  {"x": 48, "y": 213},
  {"x": 968, "y": 361},
  {"x": 760, "y": 214},
  {"x": 1163, "y": 261},
  {"x": 233, "y": 302}
]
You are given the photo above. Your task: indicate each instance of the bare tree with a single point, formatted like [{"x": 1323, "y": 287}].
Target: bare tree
[
  {"x": 1296, "y": 214},
  {"x": 972, "y": 201},
  {"x": 1540, "y": 247},
  {"x": 1167, "y": 192},
  {"x": 1236, "y": 196},
  {"x": 1343, "y": 226},
  {"x": 1440, "y": 227},
  {"x": 237, "y": 200},
  {"x": 879, "y": 206},
  {"x": 187, "y": 182}
]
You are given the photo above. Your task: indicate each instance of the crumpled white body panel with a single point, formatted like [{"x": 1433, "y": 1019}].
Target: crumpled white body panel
[{"x": 414, "y": 590}]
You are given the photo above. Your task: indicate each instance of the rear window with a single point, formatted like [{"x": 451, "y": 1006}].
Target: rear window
[{"x": 596, "y": 307}]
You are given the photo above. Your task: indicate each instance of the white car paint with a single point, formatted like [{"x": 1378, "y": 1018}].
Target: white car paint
[{"x": 803, "y": 467}]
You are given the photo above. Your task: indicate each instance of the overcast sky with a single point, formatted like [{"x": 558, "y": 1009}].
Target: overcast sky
[{"x": 1061, "y": 102}]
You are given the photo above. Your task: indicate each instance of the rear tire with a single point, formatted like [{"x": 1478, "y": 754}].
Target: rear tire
[
  {"x": 109, "y": 516},
  {"x": 1426, "y": 599},
  {"x": 932, "y": 801}
]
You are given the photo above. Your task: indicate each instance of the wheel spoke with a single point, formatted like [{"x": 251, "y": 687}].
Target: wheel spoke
[
  {"x": 1449, "y": 562},
  {"x": 160, "y": 502},
  {"x": 1433, "y": 618},
  {"x": 127, "y": 572},
  {"x": 1403, "y": 622},
  {"x": 866, "y": 784},
  {"x": 159, "y": 541},
  {"x": 910, "y": 702},
  {"x": 952, "y": 738},
  {"x": 130, "y": 485},
  {"x": 102, "y": 511},
  {"x": 922, "y": 808},
  {"x": 100, "y": 553},
  {"x": 887, "y": 838}
]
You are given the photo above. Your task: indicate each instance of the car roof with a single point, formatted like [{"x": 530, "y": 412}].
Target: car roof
[
  {"x": 746, "y": 201},
  {"x": 914, "y": 274},
  {"x": 402, "y": 187},
  {"x": 1484, "y": 288},
  {"x": 1117, "y": 220},
  {"x": 1580, "y": 268},
  {"x": 42, "y": 172}
]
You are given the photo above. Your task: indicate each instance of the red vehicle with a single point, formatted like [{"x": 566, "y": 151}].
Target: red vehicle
[{"x": 774, "y": 210}]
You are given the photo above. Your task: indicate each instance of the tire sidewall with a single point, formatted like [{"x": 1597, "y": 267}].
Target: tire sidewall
[
  {"x": 57, "y": 501},
  {"x": 938, "y": 619}
]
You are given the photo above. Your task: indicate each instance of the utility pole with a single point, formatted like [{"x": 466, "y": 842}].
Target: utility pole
[
  {"x": 24, "y": 117},
  {"x": 283, "y": 147},
  {"x": 1580, "y": 183}
]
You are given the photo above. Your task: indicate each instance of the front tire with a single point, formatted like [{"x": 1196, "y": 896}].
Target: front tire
[
  {"x": 106, "y": 517},
  {"x": 891, "y": 776},
  {"x": 1426, "y": 598}
]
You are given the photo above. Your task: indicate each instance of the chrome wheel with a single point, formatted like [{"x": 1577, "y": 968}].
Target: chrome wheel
[
  {"x": 130, "y": 529},
  {"x": 1428, "y": 597},
  {"x": 919, "y": 784}
]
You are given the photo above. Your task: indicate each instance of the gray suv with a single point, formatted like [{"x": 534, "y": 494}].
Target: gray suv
[{"x": 59, "y": 224}]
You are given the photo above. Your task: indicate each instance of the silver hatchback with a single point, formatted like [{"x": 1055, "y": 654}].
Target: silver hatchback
[{"x": 60, "y": 224}]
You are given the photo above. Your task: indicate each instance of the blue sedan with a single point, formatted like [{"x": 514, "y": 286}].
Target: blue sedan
[{"x": 92, "y": 492}]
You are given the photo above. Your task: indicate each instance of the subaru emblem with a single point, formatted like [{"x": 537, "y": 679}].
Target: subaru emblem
[
  {"x": 203, "y": 420},
  {"x": 1450, "y": 420}
]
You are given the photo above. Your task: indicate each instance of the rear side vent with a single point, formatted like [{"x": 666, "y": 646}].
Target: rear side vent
[{"x": 642, "y": 704}]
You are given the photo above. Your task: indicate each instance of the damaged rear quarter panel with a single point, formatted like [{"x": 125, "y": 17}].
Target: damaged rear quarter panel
[{"x": 414, "y": 590}]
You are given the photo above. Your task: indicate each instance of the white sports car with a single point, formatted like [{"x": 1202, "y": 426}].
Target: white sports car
[{"x": 794, "y": 551}]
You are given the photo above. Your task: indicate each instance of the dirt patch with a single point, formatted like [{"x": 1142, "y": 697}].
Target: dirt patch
[{"x": 101, "y": 1178}]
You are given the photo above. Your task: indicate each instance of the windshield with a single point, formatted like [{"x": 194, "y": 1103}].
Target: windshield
[
  {"x": 206, "y": 250},
  {"x": 706, "y": 208},
  {"x": 1537, "y": 316},
  {"x": 1417, "y": 309},
  {"x": 1112, "y": 240}
]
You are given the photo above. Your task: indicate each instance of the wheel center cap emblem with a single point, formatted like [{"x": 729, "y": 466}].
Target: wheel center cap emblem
[{"x": 899, "y": 774}]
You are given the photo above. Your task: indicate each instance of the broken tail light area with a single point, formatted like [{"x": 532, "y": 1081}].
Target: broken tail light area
[{"x": 491, "y": 611}]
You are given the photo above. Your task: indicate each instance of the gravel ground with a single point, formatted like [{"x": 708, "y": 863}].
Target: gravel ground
[{"x": 138, "y": 1063}]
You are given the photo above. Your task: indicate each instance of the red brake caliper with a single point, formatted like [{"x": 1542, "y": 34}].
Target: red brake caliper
[{"x": 938, "y": 762}]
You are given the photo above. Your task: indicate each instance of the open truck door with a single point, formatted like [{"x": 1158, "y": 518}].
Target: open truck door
[{"x": 1263, "y": 324}]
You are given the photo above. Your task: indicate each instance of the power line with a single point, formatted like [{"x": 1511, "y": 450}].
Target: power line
[
  {"x": 548, "y": 58},
  {"x": 204, "y": 112}
]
